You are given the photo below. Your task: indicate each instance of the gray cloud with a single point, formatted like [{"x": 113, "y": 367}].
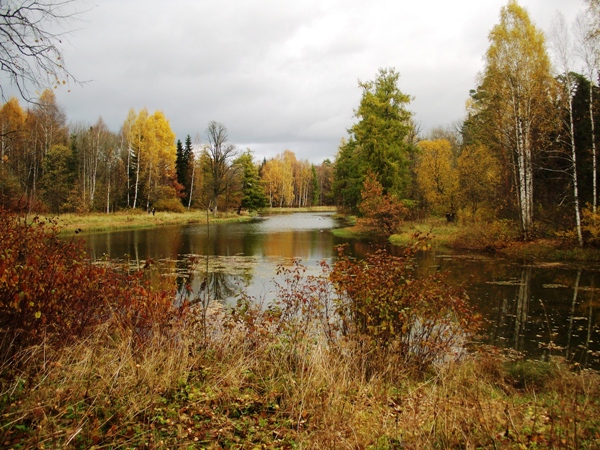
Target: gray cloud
[{"x": 279, "y": 75}]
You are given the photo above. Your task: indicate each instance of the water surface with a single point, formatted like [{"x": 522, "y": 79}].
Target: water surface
[{"x": 533, "y": 308}]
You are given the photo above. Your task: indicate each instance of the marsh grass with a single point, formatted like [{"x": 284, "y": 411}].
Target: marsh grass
[
  {"x": 440, "y": 232},
  {"x": 251, "y": 387}
]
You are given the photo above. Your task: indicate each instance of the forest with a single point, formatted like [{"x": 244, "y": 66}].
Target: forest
[
  {"x": 49, "y": 166},
  {"x": 525, "y": 151}
]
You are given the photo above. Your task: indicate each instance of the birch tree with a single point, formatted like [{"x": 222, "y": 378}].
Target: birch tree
[
  {"x": 587, "y": 49},
  {"x": 137, "y": 141},
  {"x": 46, "y": 127},
  {"x": 515, "y": 94},
  {"x": 271, "y": 176},
  {"x": 563, "y": 51}
]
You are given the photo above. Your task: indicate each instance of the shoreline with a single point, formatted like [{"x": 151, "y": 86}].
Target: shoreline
[
  {"x": 139, "y": 219},
  {"x": 452, "y": 236}
]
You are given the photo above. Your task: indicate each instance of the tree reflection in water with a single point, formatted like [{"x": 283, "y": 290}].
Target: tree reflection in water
[
  {"x": 521, "y": 312},
  {"x": 223, "y": 279}
]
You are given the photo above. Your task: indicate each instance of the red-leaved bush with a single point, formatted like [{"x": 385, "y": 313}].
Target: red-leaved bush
[
  {"x": 388, "y": 309},
  {"x": 50, "y": 291}
]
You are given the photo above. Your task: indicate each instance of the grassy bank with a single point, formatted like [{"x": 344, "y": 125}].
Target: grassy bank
[
  {"x": 249, "y": 390},
  {"x": 498, "y": 237},
  {"x": 132, "y": 219},
  {"x": 139, "y": 219}
]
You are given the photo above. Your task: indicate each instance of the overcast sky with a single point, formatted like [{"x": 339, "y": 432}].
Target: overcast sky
[{"x": 279, "y": 74}]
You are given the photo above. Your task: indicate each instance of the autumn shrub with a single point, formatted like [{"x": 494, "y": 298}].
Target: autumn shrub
[
  {"x": 375, "y": 310},
  {"x": 169, "y": 205},
  {"x": 11, "y": 196},
  {"x": 50, "y": 291},
  {"x": 494, "y": 235},
  {"x": 392, "y": 313},
  {"x": 590, "y": 227},
  {"x": 382, "y": 211}
]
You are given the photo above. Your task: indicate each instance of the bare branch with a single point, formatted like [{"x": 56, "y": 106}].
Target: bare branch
[{"x": 30, "y": 44}]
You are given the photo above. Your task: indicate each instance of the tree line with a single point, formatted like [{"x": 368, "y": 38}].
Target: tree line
[
  {"x": 526, "y": 150},
  {"x": 49, "y": 166}
]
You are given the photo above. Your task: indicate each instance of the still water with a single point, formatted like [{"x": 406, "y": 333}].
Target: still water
[{"x": 536, "y": 308}]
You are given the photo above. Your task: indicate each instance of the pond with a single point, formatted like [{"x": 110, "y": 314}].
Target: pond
[{"x": 536, "y": 308}]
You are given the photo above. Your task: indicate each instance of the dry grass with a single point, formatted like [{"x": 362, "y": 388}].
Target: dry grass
[
  {"x": 250, "y": 387},
  {"x": 133, "y": 219}
]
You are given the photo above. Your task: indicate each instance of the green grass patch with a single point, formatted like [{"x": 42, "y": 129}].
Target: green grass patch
[{"x": 442, "y": 233}]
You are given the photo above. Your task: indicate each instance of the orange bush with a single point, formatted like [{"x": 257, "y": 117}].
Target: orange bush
[
  {"x": 49, "y": 290},
  {"x": 384, "y": 305},
  {"x": 382, "y": 211}
]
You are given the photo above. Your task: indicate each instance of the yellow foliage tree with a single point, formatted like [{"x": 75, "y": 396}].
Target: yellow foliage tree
[
  {"x": 437, "y": 176},
  {"x": 271, "y": 176},
  {"x": 479, "y": 178},
  {"x": 514, "y": 101},
  {"x": 152, "y": 145},
  {"x": 13, "y": 167}
]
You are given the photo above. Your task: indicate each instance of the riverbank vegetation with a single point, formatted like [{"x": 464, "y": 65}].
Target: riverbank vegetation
[
  {"x": 534, "y": 181},
  {"x": 520, "y": 167},
  {"x": 132, "y": 219},
  {"x": 97, "y": 356}
]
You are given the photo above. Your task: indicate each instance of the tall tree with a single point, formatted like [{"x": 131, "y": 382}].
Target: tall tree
[
  {"x": 380, "y": 141},
  {"x": 348, "y": 176},
  {"x": 220, "y": 157},
  {"x": 180, "y": 163},
  {"x": 185, "y": 167},
  {"x": 46, "y": 127},
  {"x": 587, "y": 47},
  {"x": 563, "y": 52},
  {"x": 91, "y": 145},
  {"x": 272, "y": 180},
  {"x": 315, "y": 186},
  {"x": 479, "y": 177},
  {"x": 382, "y": 130},
  {"x": 514, "y": 100},
  {"x": 594, "y": 15},
  {"x": 325, "y": 174},
  {"x": 437, "y": 175},
  {"x": 153, "y": 157},
  {"x": 13, "y": 168},
  {"x": 253, "y": 194},
  {"x": 58, "y": 177}
]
